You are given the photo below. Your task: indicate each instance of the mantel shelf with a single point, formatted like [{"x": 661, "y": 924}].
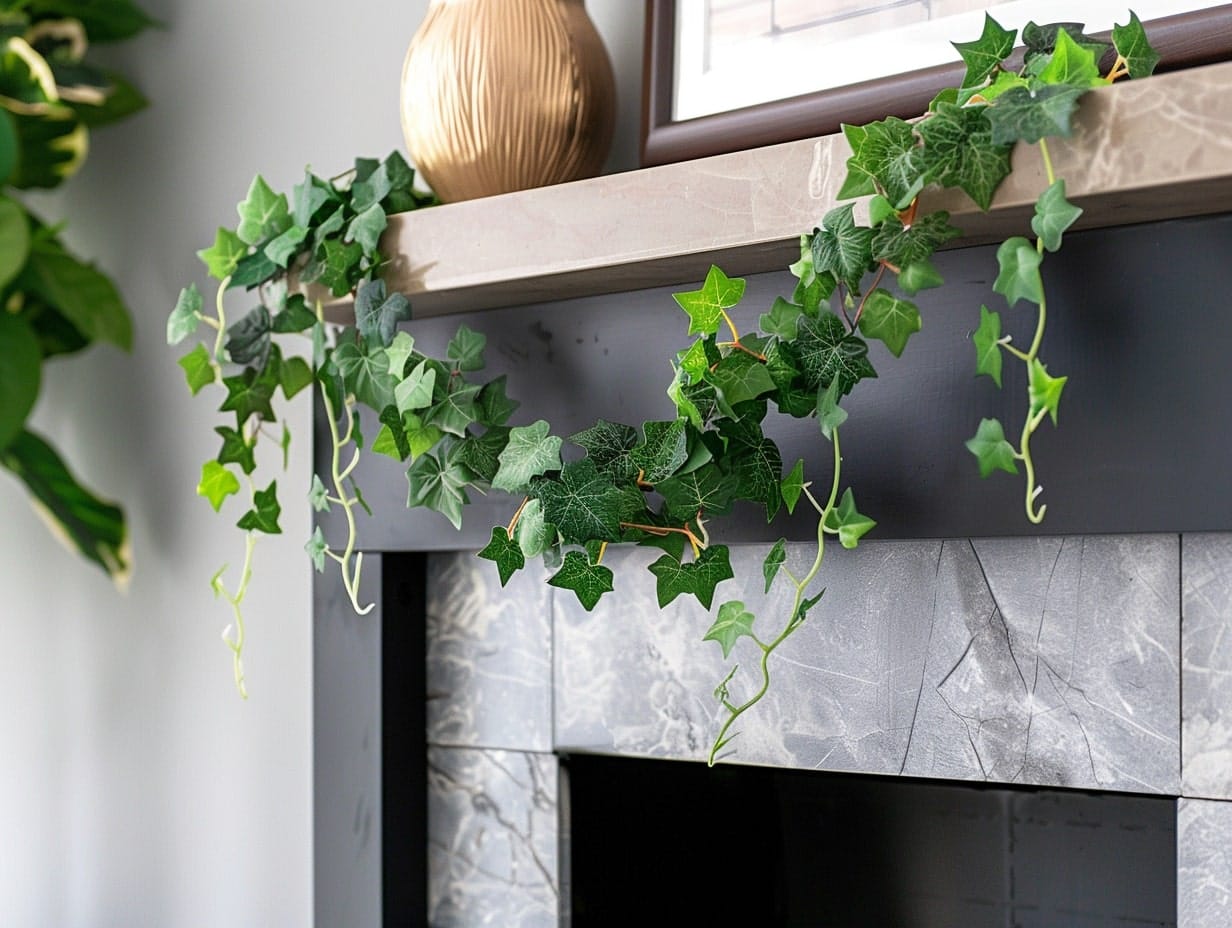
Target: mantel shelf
[{"x": 1142, "y": 150}]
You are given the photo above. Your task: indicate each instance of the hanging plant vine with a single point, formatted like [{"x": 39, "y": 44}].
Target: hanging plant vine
[{"x": 663, "y": 484}]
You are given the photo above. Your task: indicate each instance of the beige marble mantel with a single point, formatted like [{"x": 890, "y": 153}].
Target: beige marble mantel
[{"x": 1142, "y": 150}]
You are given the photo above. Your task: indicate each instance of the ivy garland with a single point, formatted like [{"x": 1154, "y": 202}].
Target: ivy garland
[{"x": 660, "y": 485}]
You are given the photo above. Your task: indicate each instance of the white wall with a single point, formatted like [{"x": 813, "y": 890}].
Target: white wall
[{"x": 136, "y": 787}]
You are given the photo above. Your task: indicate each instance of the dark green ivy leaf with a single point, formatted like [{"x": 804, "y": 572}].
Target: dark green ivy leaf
[
  {"x": 706, "y": 491},
  {"x": 663, "y": 450},
  {"x": 740, "y": 377},
  {"x": 249, "y": 394},
  {"x": 377, "y": 315},
  {"x": 582, "y": 503},
  {"x": 843, "y": 248},
  {"x": 504, "y": 552},
  {"x": 248, "y": 340},
  {"x": 235, "y": 450},
  {"x": 465, "y": 349},
  {"x": 284, "y": 246},
  {"x": 885, "y": 157},
  {"x": 902, "y": 245},
  {"x": 1041, "y": 40},
  {"x": 456, "y": 410},
  {"x": 985, "y": 54},
  {"x": 1131, "y": 44},
  {"x": 607, "y": 445},
  {"x": 782, "y": 319},
  {"x": 1028, "y": 115},
  {"x": 959, "y": 151},
  {"x": 588, "y": 581},
  {"x": 307, "y": 198},
  {"x": 438, "y": 486},
  {"x": 263, "y": 517},
  {"x": 493, "y": 406},
  {"x": 697, "y": 578},
  {"x": 295, "y": 316},
  {"x": 365, "y": 374},
  {"x": 827, "y": 352},
  {"x": 339, "y": 267},
  {"x": 481, "y": 453}
]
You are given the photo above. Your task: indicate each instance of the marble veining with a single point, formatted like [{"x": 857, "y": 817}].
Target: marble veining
[
  {"x": 1032, "y": 661},
  {"x": 492, "y": 839},
  {"x": 1206, "y": 635}
]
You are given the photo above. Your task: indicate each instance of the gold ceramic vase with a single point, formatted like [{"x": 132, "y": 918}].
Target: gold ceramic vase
[{"x": 501, "y": 95}]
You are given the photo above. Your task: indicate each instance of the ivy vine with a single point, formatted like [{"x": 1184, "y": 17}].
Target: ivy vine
[{"x": 663, "y": 484}]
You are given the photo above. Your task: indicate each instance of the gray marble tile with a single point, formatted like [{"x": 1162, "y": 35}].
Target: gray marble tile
[
  {"x": 1204, "y": 863},
  {"x": 1040, "y": 661},
  {"x": 493, "y": 854},
  {"x": 1206, "y": 646},
  {"x": 489, "y": 655}
]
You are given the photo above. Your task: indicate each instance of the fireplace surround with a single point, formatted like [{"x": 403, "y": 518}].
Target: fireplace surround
[{"x": 955, "y": 645}]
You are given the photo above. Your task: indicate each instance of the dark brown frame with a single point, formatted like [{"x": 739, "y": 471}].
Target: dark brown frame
[{"x": 1183, "y": 41}]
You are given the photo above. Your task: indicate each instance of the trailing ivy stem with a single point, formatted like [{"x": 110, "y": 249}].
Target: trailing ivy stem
[
  {"x": 801, "y": 585},
  {"x": 881, "y": 269},
  {"x": 513, "y": 523},
  {"x": 235, "y": 599},
  {"x": 1052, "y": 177},
  {"x": 349, "y": 581},
  {"x": 216, "y": 355}
]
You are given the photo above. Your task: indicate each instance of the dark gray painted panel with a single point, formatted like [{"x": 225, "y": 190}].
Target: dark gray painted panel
[{"x": 1137, "y": 321}]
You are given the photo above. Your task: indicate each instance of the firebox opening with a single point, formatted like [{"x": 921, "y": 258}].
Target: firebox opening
[{"x": 669, "y": 842}]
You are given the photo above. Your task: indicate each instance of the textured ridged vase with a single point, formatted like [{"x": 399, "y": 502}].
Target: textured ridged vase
[{"x": 502, "y": 95}]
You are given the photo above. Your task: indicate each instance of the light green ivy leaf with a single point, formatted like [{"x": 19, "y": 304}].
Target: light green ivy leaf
[
  {"x": 217, "y": 483},
  {"x": 221, "y": 258},
  {"x": 850, "y": 524},
  {"x": 1054, "y": 214},
  {"x": 1019, "y": 277},
  {"x": 530, "y": 452},
  {"x": 1044, "y": 390},
  {"x": 987, "y": 339},
  {"x": 889, "y": 319},
  {"x": 705, "y": 306},
  {"x": 504, "y": 552},
  {"x": 991, "y": 449},
  {"x": 263, "y": 214},
  {"x": 733, "y": 623}
]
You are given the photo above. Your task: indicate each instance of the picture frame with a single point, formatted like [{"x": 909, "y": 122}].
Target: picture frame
[{"x": 1201, "y": 36}]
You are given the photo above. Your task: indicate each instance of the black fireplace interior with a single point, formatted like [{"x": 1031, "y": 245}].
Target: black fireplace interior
[{"x": 655, "y": 842}]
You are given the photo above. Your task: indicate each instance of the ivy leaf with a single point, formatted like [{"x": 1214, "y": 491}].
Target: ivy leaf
[
  {"x": 465, "y": 349},
  {"x": 987, "y": 340},
  {"x": 530, "y": 452},
  {"x": 236, "y": 450},
  {"x": 504, "y": 552},
  {"x": 399, "y": 351},
  {"x": 889, "y": 319},
  {"x": 248, "y": 340},
  {"x": 1131, "y": 44},
  {"x": 263, "y": 214},
  {"x": 740, "y": 377},
  {"x": 607, "y": 445},
  {"x": 284, "y": 245},
  {"x": 1040, "y": 40},
  {"x": 1070, "y": 63},
  {"x": 253, "y": 269},
  {"x": 415, "y": 391},
  {"x": 377, "y": 315},
  {"x": 307, "y": 198},
  {"x": 391, "y": 439},
  {"x": 217, "y": 483},
  {"x": 697, "y": 578},
  {"x": 365, "y": 374},
  {"x": 583, "y": 504},
  {"x": 533, "y": 534},
  {"x": 339, "y": 266},
  {"x": 295, "y": 316},
  {"x": 842, "y": 248},
  {"x": 755, "y": 462},
  {"x": 811, "y": 288},
  {"x": 318, "y": 496},
  {"x": 885, "y": 156},
  {"x": 662, "y": 451},
  {"x": 1043, "y": 390},
  {"x": 1019, "y": 276},
  {"x": 366, "y": 228},
  {"x": 198, "y": 370},
  {"x": 588, "y": 581},
  {"x": 830, "y": 415},
  {"x": 1053, "y": 215},
  {"x": 221, "y": 258},
  {"x": 775, "y": 559},
  {"x": 793, "y": 485},
  {"x": 1028, "y": 115},
  {"x": 985, "y": 54},
  {"x": 782, "y": 319},
  {"x": 421, "y": 436},
  {"x": 917, "y": 276},
  {"x": 706, "y": 490},
  {"x": 493, "y": 406},
  {"x": 481, "y": 453},
  {"x": 707, "y": 305},
  {"x": 850, "y": 524},
  {"x": 734, "y": 622},
  {"x": 294, "y": 374},
  {"x": 437, "y": 486},
  {"x": 186, "y": 316},
  {"x": 316, "y": 548},
  {"x": 903, "y": 245},
  {"x": 991, "y": 448},
  {"x": 959, "y": 151},
  {"x": 827, "y": 352},
  {"x": 456, "y": 410},
  {"x": 263, "y": 517},
  {"x": 249, "y": 394}
]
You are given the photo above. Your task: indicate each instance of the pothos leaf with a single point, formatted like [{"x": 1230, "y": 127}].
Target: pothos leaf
[
  {"x": 705, "y": 306},
  {"x": 697, "y": 578},
  {"x": 987, "y": 339},
  {"x": 991, "y": 449},
  {"x": 588, "y": 581},
  {"x": 733, "y": 623},
  {"x": 263, "y": 516},
  {"x": 504, "y": 552}
]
